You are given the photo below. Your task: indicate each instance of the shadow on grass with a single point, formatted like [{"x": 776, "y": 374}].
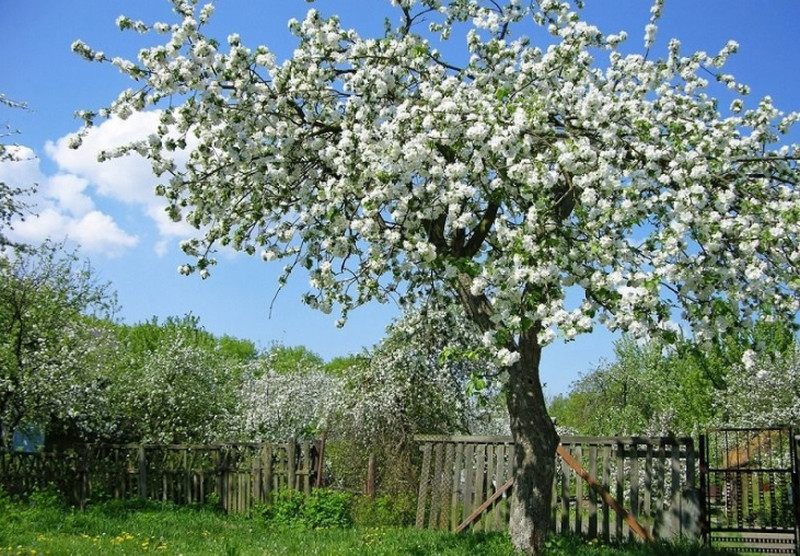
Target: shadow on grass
[
  {"x": 572, "y": 545},
  {"x": 567, "y": 545}
]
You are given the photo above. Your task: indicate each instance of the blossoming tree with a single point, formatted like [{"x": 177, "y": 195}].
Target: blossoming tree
[
  {"x": 12, "y": 205},
  {"x": 52, "y": 337},
  {"x": 524, "y": 174},
  {"x": 764, "y": 392}
]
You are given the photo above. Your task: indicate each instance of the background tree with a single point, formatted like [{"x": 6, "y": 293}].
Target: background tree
[
  {"x": 288, "y": 359},
  {"x": 11, "y": 195},
  {"x": 51, "y": 312},
  {"x": 424, "y": 377},
  {"x": 763, "y": 393},
  {"x": 649, "y": 388},
  {"x": 285, "y": 393},
  {"x": 652, "y": 388},
  {"x": 508, "y": 180},
  {"x": 174, "y": 382},
  {"x": 616, "y": 398}
]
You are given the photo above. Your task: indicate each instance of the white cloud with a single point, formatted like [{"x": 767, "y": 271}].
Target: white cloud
[
  {"x": 67, "y": 200},
  {"x": 161, "y": 248},
  {"x": 98, "y": 232},
  {"x": 67, "y": 190},
  {"x": 127, "y": 179},
  {"x": 48, "y": 223},
  {"x": 95, "y": 232},
  {"x": 169, "y": 230},
  {"x": 62, "y": 209},
  {"x": 22, "y": 170},
  {"x": 166, "y": 226}
]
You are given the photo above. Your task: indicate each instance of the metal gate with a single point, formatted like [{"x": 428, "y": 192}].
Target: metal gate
[{"x": 749, "y": 477}]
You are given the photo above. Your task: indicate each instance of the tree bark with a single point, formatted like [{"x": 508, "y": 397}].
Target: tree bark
[
  {"x": 535, "y": 436},
  {"x": 535, "y": 443}
]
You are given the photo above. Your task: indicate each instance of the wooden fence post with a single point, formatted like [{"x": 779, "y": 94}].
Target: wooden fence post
[
  {"x": 307, "y": 466},
  {"x": 704, "y": 491},
  {"x": 423, "y": 485},
  {"x": 219, "y": 474},
  {"x": 83, "y": 463},
  {"x": 291, "y": 451},
  {"x": 268, "y": 480},
  {"x": 142, "y": 466},
  {"x": 321, "y": 460},
  {"x": 371, "y": 475},
  {"x": 795, "y": 451}
]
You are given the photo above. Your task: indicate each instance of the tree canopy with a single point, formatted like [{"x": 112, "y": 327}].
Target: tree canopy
[{"x": 379, "y": 166}]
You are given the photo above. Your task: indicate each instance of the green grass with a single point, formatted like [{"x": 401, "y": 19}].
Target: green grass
[{"x": 44, "y": 527}]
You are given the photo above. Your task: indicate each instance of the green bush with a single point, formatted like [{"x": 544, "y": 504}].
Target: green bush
[
  {"x": 5, "y": 501},
  {"x": 385, "y": 511},
  {"x": 212, "y": 503},
  {"x": 328, "y": 508},
  {"x": 46, "y": 498},
  {"x": 286, "y": 509},
  {"x": 323, "y": 508}
]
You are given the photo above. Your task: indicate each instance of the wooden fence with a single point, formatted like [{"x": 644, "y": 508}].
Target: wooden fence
[
  {"x": 652, "y": 480},
  {"x": 237, "y": 475}
]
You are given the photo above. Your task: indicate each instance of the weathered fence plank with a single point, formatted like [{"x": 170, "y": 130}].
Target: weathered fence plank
[
  {"x": 592, "y": 493},
  {"x": 487, "y": 504},
  {"x": 458, "y": 462},
  {"x": 620, "y": 486},
  {"x": 436, "y": 487},
  {"x": 241, "y": 475},
  {"x": 606, "y": 507},
  {"x": 648, "y": 486},
  {"x": 468, "y": 484},
  {"x": 592, "y": 482},
  {"x": 565, "y": 475},
  {"x": 424, "y": 481},
  {"x": 642, "y": 473}
]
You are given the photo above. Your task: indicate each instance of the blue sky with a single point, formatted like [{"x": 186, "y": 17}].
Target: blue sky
[{"x": 111, "y": 211}]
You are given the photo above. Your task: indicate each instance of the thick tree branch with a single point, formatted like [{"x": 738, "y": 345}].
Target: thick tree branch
[
  {"x": 478, "y": 307},
  {"x": 481, "y": 231}
]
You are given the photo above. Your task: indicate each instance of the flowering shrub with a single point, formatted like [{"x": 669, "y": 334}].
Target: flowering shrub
[
  {"x": 275, "y": 404},
  {"x": 182, "y": 393},
  {"x": 764, "y": 393},
  {"x": 51, "y": 336},
  {"x": 429, "y": 375},
  {"x": 425, "y": 377}
]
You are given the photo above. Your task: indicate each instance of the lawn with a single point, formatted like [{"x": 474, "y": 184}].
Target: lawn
[
  {"x": 113, "y": 528},
  {"x": 45, "y": 527}
]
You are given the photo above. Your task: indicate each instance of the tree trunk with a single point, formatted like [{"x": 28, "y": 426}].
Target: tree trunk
[
  {"x": 535, "y": 443},
  {"x": 535, "y": 437}
]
